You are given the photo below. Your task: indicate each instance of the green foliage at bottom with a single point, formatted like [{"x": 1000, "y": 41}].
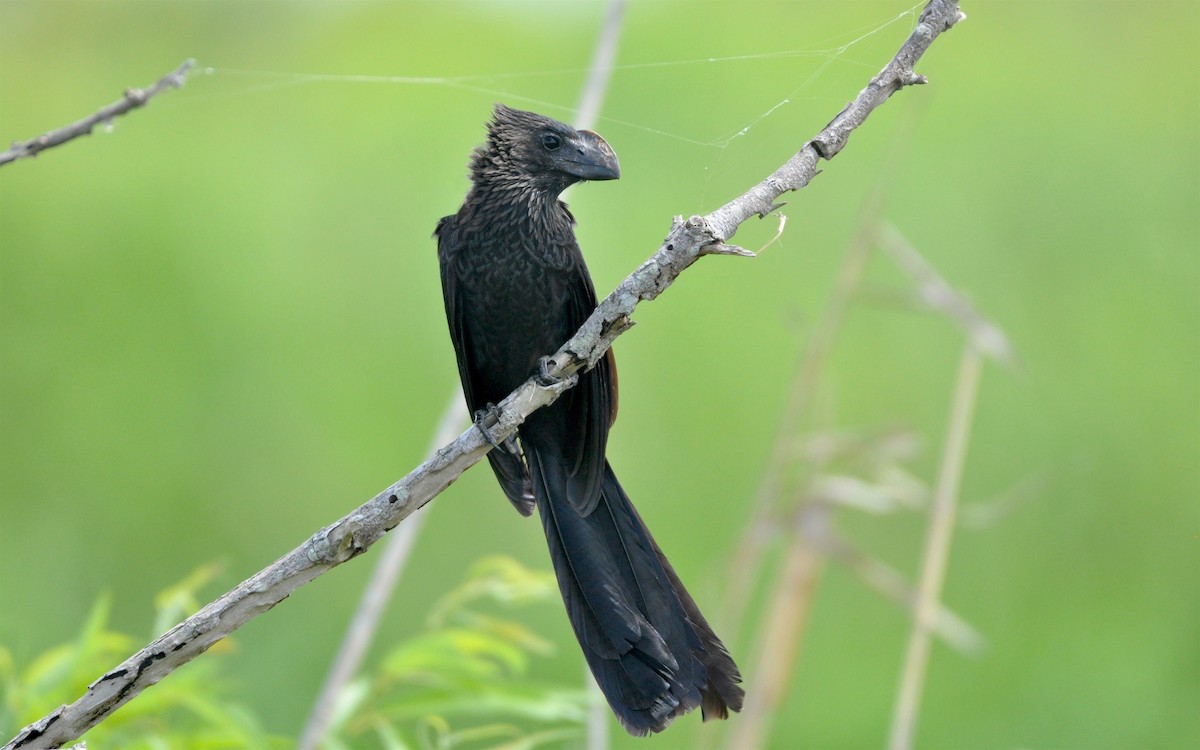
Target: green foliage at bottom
[
  {"x": 189, "y": 709},
  {"x": 462, "y": 683}
]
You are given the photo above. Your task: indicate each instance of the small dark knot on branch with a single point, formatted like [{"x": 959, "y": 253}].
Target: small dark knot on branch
[{"x": 700, "y": 233}]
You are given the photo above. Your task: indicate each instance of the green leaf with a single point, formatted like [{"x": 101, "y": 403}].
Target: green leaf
[
  {"x": 453, "y": 654},
  {"x": 178, "y": 601},
  {"x": 497, "y": 578},
  {"x": 461, "y": 683}
]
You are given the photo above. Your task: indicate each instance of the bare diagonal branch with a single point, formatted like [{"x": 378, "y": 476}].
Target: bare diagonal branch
[
  {"x": 374, "y": 599},
  {"x": 356, "y": 532},
  {"x": 132, "y": 99}
]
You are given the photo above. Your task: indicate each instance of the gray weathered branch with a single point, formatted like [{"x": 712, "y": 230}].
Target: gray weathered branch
[
  {"x": 353, "y": 534},
  {"x": 132, "y": 99}
]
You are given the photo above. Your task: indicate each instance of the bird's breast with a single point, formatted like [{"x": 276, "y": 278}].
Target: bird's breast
[{"x": 513, "y": 307}]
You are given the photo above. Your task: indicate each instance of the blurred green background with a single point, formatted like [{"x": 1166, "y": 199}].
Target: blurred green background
[{"x": 221, "y": 326}]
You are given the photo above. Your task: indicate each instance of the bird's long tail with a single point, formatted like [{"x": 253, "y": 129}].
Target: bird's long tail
[{"x": 651, "y": 651}]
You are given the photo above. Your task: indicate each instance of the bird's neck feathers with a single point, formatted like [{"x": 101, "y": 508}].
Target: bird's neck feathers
[
  {"x": 497, "y": 169},
  {"x": 500, "y": 190}
]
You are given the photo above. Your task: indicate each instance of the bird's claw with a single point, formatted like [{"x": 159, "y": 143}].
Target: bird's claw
[
  {"x": 544, "y": 377},
  {"x": 489, "y": 417},
  {"x": 485, "y": 418}
]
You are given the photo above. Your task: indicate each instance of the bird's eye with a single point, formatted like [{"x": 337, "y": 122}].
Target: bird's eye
[{"x": 551, "y": 141}]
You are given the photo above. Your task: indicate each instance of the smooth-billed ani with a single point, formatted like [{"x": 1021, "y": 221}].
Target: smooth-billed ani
[{"x": 516, "y": 288}]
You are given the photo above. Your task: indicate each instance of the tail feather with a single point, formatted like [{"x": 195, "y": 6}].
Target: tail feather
[
  {"x": 649, "y": 648},
  {"x": 722, "y": 691}
]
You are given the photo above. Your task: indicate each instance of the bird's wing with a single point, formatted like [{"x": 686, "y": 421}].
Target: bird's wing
[
  {"x": 593, "y": 405},
  {"x": 510, "y": 470}
]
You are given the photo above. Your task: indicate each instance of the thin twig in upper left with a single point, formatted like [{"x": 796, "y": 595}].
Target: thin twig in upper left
[{"x": 132, "y": 99}]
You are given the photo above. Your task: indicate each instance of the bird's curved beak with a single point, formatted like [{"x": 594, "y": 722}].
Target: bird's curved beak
[{"x": 593, "y": 158}]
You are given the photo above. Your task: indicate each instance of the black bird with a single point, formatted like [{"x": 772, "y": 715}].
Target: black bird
[{"x": 516, "y": 288}]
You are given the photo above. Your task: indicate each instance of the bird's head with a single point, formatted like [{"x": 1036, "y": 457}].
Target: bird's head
[{"x": 530, "y": 148}]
